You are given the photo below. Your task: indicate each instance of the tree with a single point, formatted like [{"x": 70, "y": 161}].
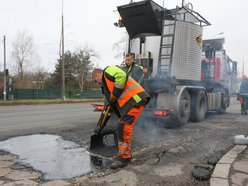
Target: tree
[
  {"x": 23, "y": 53},
  {"x": 36, "y": 79},
  {"x": 39, "y": 78},
  {"x": 78, "y": 66},
  {"x": 84, "y": 65}
]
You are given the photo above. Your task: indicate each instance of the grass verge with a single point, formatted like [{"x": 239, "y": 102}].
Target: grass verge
[{"x": 42, "y": 102}]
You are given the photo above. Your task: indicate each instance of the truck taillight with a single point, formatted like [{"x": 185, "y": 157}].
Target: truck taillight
[
  {"x": 162, "y": 113},
  {"x": 98, "y": 107}
]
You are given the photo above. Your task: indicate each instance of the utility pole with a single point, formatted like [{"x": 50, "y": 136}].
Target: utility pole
[
  {"x": 4, "y": 68},
  {"x": 243, "y": 68},
  {"x": 63, "y": 60}
]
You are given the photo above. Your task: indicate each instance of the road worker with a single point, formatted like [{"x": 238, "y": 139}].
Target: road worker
[
  {"x": 132, "y": 68},
  {"x": 243, "y": 93},
  {"x": 137, "y": 73},
  {"x": 127, "y": 99}
]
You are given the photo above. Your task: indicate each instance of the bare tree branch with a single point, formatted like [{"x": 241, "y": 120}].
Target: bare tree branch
[{"x": 22, "y": 53}]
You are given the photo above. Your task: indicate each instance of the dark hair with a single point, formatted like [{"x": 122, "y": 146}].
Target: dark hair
[{"x": 130, "y": 54}]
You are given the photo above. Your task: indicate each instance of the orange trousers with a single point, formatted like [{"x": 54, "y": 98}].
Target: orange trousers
[{"x": 125, "y": 131}]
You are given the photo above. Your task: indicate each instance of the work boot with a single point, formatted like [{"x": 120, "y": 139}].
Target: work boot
[{"x": 119, "y": 162}]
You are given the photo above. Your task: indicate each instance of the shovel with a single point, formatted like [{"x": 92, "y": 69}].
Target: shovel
[{"x": 96, "y": 140}]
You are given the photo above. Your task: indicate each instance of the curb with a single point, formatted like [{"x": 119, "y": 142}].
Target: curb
[{"x": 222, "y": 168}]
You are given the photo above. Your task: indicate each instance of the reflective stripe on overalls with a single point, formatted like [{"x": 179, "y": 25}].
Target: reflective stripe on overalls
[
  {"x": 125, "y": 129},
  {"x": 125, "y": 132},
  {"x": 131, "y": 89}
]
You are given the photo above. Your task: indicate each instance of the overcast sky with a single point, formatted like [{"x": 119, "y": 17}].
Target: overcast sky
[{"x": 90, "y": 22}]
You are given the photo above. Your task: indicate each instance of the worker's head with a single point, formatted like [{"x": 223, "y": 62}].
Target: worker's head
[
  {"x": 244, "y": 76},
  {"x": 129, "y": 58},
  {"x": 97, "y": 75}
]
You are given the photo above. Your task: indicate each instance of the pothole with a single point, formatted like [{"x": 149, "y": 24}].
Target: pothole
[{"x": 54, "y": 157}]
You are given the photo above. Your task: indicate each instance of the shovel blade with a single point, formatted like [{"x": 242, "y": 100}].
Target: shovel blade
[{"x": 96, "y": 141}]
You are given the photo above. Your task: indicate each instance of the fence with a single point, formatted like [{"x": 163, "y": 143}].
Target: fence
[{"x": 51, "y": 94}]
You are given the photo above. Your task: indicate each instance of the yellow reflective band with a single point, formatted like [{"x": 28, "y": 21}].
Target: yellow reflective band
[
  {"x": 137, "y": 98},
  {"x": 123, "y": 144},
  {"x": 139, "y": 66},
  {"x": 129, "y": 69},
  {"x": 127, "y": 90},
  {"x": 119, "y": 86},
  {"x": 124, "y": 152}
]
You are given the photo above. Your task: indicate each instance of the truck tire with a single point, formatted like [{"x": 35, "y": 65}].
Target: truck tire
[
  {"x": 198, "y": 106},
  {"x": 182, "y": 117}
]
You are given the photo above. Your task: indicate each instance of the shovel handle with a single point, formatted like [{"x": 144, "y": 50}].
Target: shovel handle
[{"x": 105, "y": 117}]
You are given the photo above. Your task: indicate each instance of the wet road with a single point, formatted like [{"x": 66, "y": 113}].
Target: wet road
[
  {"x": 20, "y": 119},
  {"x": 52, "y": 156},
  {"x": 168, "y": 154}
]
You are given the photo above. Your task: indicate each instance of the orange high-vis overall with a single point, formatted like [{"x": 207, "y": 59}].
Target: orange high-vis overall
[
  {"x": 131, "y": 89},
  {"x": 127, "y": 121},
  {"x": 125, "y": 132}
]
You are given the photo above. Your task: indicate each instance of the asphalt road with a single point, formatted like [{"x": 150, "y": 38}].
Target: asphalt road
[
  {"x": 18, "y": 120},
  {"x": 172, "y": 150}
]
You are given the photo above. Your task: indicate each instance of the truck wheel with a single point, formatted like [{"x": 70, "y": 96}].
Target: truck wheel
[
  {"x": 180, "y": 118},
  {"x": 198, "y": 106}
]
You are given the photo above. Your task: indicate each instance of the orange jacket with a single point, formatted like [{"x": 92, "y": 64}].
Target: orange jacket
[{"x": 128, "y": 92}]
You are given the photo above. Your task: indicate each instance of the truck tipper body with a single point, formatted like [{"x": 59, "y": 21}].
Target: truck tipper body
[{"x": 169, "y": 44}]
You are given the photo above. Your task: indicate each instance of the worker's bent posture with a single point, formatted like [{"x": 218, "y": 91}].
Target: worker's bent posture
[{"x": 127, "y": 98}]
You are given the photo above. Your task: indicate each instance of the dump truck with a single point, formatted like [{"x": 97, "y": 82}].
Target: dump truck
[
  {"x": 168, "y": 42},
  {"x": 217, "y": 64}
]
